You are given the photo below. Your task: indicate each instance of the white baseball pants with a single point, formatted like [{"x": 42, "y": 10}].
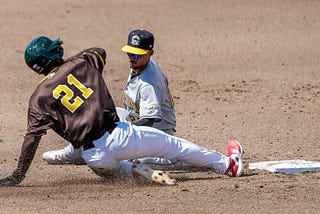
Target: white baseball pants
[{"x": 128, "y": 141}]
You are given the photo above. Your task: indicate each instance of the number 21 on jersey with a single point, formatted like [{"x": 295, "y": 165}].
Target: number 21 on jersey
[{"x": 69, "y": 94}]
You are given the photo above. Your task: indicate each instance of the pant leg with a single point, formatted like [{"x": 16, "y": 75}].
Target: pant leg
[
  {"x": 154, "y": 162},
  {"x": 170, "y": 147},
  {"x": 133, "y": 142},
  {"x": 162, "y": 163}
]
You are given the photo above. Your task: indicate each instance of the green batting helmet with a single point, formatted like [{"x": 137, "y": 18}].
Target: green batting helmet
[{"x": 41, "y": 52}]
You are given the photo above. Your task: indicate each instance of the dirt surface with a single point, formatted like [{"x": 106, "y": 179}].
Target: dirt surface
[{"x": 245, "y": 70}]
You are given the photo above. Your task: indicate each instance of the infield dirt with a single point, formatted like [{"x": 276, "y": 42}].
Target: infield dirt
[{"x": 245, "y": 70}]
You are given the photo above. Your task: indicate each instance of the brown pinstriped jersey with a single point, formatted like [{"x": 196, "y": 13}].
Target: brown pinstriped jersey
[{"x": 74, "y": 101}]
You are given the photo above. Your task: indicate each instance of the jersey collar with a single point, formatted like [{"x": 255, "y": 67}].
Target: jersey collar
[{"x": 49, "y": 74}]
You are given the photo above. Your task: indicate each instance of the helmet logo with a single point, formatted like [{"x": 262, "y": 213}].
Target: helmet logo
[{"x": 37, "y": 68}]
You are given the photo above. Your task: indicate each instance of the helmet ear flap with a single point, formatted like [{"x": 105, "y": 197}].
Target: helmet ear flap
[
  {"x": 39, "y": 65},
  {"x": 37, "y": 68}
]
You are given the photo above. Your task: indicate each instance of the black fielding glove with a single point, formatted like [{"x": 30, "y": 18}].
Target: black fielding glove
[{"x": 12, "y": 180}]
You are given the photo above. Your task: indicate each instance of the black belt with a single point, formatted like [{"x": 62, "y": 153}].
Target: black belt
[{"x": 90, "y": 145}]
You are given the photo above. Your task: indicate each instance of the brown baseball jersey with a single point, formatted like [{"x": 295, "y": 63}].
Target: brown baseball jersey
[{"x": 74, "y": 101}]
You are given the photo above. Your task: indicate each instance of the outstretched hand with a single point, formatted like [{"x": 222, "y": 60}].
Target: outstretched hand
[{"x": 12, "y": 180}]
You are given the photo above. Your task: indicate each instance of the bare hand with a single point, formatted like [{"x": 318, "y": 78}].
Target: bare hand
[{"x": 12, "y": 180}]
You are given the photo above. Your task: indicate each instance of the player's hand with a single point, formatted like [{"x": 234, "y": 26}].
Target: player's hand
[{"x": 12, "y": 180}]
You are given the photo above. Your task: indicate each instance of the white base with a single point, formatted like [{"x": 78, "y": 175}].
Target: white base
[{"x": 287, "y": 166}]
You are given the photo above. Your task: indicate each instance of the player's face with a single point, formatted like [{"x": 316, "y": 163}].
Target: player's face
[{"x": 139, "y": 62}]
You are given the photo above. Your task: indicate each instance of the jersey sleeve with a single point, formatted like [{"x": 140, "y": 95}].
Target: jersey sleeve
[
  {"x": 37, "y": 123},
  {"x": 37, "y": 126},
  {"x": 96, "y": 57},
  {"x": 150, "y": 101}
]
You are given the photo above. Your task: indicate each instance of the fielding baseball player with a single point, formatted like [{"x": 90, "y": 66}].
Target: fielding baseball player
[
  {"x": 73, "y": 100},
  {"x": 147, "y": 97},
  {"x": 147, "y": 100}
]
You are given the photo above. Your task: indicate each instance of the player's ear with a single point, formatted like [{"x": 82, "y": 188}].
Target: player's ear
[{"x": 151, "y": 52}]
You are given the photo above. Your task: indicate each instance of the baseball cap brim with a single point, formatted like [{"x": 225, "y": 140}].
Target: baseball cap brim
[{"x": 133, "y": 50}]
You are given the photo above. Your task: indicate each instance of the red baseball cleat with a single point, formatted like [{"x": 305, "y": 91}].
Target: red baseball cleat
[{"x": 235, "y": 152}]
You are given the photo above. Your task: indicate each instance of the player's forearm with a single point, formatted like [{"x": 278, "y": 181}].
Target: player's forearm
[{"x": 28, "y": 151}]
